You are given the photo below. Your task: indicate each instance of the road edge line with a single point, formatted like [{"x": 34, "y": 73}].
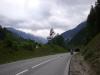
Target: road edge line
[{"x": 66, "y": 72}]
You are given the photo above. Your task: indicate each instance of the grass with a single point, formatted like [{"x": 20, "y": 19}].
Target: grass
[
  {"x": 9, "y": 55},
  {"x": 92, "y": 54}
]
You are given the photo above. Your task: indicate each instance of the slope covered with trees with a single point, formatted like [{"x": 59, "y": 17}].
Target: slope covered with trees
[
  {"x": 91, "y": 53},
  {"x": 14, "y": 48},
  {"x": 88, "y": 39},
  {"x": 57, "y": 40},
  {"x": 92, "y": 50},
  {"x": 91, "y": 30}
]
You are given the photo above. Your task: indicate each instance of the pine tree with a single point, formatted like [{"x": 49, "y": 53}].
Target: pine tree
[
  {"x": 97, "y": 10},
  {"x": 91, "y": 17},
  {"x": 91, "y": 21},
  {"x": 98, "y": 1},
  {"x": 58, "y": 40},
  {"x": 51, "y": 35}
]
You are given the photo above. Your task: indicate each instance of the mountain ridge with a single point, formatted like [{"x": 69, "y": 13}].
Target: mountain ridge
[
  {"x": 27, "y": 35},
  {"x": 68, "y": 35}
]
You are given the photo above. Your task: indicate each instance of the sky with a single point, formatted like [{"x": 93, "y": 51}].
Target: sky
[{"x": 38, "y": 16}]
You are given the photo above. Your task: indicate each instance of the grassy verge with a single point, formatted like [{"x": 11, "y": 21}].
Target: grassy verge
[
  {"x": 13, "y": 48},
  {"x": 8, "y": 55}
]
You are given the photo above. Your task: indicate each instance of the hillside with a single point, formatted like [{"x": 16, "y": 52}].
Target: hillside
[
  {"x": 27, "y": 35},
  {"x": 85, "y": 35},
  {"x": 68, "y": 35},
  {"x": 13, "y": 48},
  {"x": 80, "y": 39},
  {"x": 92, "y": 53},
  {"x": 88, "y": 39}
]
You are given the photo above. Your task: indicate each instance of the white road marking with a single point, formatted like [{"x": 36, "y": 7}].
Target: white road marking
[
  {"x": 43, "y": 63},
  {"x": 66, "y": 72},
  {"x": 22, "y": 72},
  {"x": 36, "y": 66}
]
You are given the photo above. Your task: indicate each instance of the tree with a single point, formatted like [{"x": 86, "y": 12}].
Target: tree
[
  {"x": 91, "y": 17},
  {"x": 97, "y": 10},
  {"x": 98, "y": 1},
  {"x": 51, "y": 35},
  {"x": 58, "y": 40}
]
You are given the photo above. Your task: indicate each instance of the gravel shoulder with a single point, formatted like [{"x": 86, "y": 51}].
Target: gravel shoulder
[{"x": 79, "y": 67}]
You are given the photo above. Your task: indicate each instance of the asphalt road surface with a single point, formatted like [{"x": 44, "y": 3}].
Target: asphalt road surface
[{"x": 47, "y": 65}]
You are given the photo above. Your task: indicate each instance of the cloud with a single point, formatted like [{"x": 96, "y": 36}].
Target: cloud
[
  {"x": 38, "y": 16},
  {"x": 42, "y": 32}
]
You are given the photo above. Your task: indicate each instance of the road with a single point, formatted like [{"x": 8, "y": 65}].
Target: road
[{"x": 48, "y": 65}]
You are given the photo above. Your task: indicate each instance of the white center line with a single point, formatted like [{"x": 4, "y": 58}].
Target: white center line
[
  {"x": 40, "y": 64},
  {"x": 37, "y": 65},
  {"x": 43, "y": 63},
  {"x": 22, "y": 72}
]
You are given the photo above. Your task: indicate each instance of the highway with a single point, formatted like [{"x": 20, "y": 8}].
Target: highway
[{"x": 47, "y": 65}]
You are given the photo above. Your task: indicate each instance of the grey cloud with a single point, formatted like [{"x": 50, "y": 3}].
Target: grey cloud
[
  {"x": 60, "y": 14},
  {"x": 75, "y": 2}
]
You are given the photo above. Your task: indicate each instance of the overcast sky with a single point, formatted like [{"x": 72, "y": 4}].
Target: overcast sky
[{"x": 38, "y": 16}]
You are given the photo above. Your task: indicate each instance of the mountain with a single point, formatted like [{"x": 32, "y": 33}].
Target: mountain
[
  {"x": 85, "y": 35},
  {"x": 68, "y": 35},
  {"x": 27, "y": 35}
]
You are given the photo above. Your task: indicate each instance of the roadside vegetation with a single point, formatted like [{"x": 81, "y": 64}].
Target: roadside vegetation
[
  {"x": 91, "y": 53},
  {"x": 13, "y": 47}
]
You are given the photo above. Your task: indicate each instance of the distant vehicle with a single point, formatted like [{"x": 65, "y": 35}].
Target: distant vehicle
[{"x": 71, "y": 51}]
